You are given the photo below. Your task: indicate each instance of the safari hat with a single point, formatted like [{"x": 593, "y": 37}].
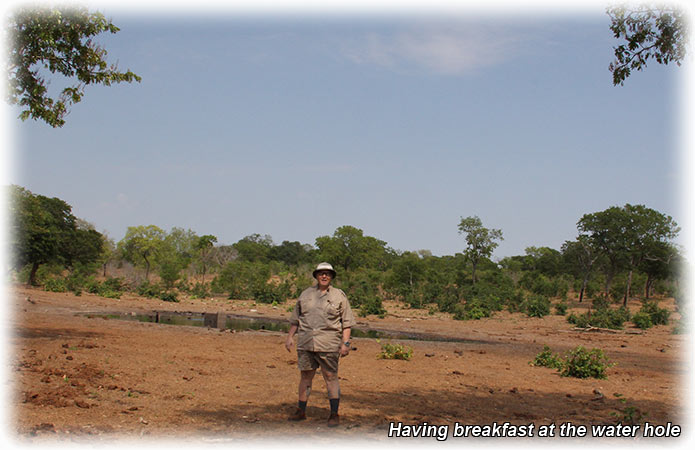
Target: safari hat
[{"x": 324, "y": 266}]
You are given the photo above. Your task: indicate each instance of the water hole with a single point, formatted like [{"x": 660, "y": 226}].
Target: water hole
[{"x": 239, "y": 322}]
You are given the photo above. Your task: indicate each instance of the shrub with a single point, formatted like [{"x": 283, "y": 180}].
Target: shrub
[
  {"x": 149, "y": 290},
  {"x": 271, "y": 292},
  {"x": 168, "y": 297},
  {"x": 547, "y": 358},
  {"x": 561, "y": 309},
  {"x": 642, "y": 320},
  {"x": 200, "y": 290},
  {"x": 395, "y": 351},
  {"x": 537, "y": 306},
  {"x": 55, "y": 285},
  {"x": 516, "y": 301},
  {"x": 578, "y": 363},
  {"x": 372, "y": 306},
  {"x": 604, "y": 317},
  {"x": 583, "y": 363},
  {"x": 658, "y": 316}
]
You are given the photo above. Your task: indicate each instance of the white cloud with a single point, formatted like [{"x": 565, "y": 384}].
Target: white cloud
[{"x": 447, "y": 52}]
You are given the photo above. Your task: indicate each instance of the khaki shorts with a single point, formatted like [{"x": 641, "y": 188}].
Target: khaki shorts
[{"x": 328, "y": 361}]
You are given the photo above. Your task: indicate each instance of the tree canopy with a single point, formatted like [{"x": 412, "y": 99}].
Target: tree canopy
[
  {"x": 481, "y": 241},
  {"x": 60, "y": 41},
  {"x": 628, "y": 235},
  {"x": 44, "y": 231},
  {"x": 658, "y": 32}
]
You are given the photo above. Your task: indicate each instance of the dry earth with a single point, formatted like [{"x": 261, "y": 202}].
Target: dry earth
[{"x": 77, "y": 376}]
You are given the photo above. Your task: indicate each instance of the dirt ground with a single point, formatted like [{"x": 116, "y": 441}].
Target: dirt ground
[{"x": 79, "y": 377}]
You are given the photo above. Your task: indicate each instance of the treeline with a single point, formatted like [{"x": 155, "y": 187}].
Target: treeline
[{"x": 620, "y": 253}]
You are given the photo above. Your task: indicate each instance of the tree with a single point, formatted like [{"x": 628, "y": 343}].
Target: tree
[
  {"x": 254, "y": 247},
  {"x": 44, "y": 230},
  {"x": 646, "y": 232},
  {"x": 57, "y": 40},
  {"x": 204, "y": 250},
  {"x": 582, "y": 255},
  {"x": 291, "y": 253},
  {"x": 659, "y": 264},
  {"x": 603, "y": 232},
  {"x": 628, "y": 235},
  {"x": 481, "y": 241},
  {"x": 141, "y": 245},
  {"x": 407, "y": 272},
  {"x": 349, "y": 248},
  {"x": 651, "y": 32},
  {"x": 545, "y": 260}
]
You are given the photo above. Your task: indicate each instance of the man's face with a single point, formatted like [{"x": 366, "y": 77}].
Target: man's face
[{"x": 324, "y": 278}]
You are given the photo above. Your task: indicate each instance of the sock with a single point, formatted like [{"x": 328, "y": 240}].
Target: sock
[
  {"x": 334, "y": 405},
  {"x": 301, "y": 405}
]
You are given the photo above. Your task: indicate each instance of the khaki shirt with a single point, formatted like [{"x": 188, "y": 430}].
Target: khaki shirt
[{"x": 320, "y": 318}]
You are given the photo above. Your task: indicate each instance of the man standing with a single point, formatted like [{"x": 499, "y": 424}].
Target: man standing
[{"x": 322, "y": 320}]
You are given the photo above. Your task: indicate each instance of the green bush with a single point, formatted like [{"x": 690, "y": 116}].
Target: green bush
[
  {"x": 372, "y": 306},
  {"x": 583, "y": 363},
  {"x": 516, "y": 301},
  {"x": 272, "y": 293},
  {"x": 149, "y": 290},
  {"x": 537, "y": 306},
  {"x": 604, "y": 317},
  {"x": 55, "y": 285},
  {"x": 395, "y": 351},
  {"x": 578, "y": 363},
  {"x": 658, "y": 316},
  {"x": 168, "y": 297},
  {"x": 561, "y": 309},
  {"x": 642, "y": 320},
  {"x": 200, "y": 290},
  {"x": 547, "y": 358}
]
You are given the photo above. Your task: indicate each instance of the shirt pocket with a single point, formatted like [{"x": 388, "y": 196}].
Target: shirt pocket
[{"x": 332, "y": 310}]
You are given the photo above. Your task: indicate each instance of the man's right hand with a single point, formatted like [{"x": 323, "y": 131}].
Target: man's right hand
[{"x": 289, "y": 343}]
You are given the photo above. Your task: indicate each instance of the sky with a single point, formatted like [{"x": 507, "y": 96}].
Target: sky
[{"x": 399, "y": 123}]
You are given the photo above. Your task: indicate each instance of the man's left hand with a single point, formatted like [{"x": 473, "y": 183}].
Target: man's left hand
[{"x": 344, "y": 350}]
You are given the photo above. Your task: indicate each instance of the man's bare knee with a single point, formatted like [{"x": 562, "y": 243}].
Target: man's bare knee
[
  {"x": 307, "y": 375},
  {"x": 329, "y": 376}
]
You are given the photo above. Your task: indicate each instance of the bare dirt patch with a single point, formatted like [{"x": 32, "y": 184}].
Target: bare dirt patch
[{"x": 76, "y": 374}]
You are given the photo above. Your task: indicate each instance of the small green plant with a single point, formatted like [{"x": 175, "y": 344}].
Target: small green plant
[
  {"x": 628, "y": 415},
  {"x": 547, "y": 358},
  {"x": 583, "y": 363},
  {"x": 561, "y": 308},
  {"x": 395, "y": 351}
]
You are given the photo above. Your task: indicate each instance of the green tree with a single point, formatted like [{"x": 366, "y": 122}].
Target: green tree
[
  {"x": 481, "y": 241},
  {"x": 407, "y": 271},
  {"x": 545, "y": 260},
  {"x": 629, "y": 234},
  {"x": 60, "y": 41},
  {"x": 657, "y": 32},
  {"x": 603, "y": 233},
  {"x": 204, "y": 249},
  {"x": 141, "y": 245},
  {"x": 44, "y": 230},
  {"x": 254, "y": 247},
  {"x": 580, "y": 258},
  {"x": 291, "y": 253},
  {"x": 349, "y": 249},
  {"x": 658, "y": 265}
]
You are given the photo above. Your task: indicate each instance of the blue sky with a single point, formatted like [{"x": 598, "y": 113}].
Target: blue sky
[{"x": 398, "y": 124}]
